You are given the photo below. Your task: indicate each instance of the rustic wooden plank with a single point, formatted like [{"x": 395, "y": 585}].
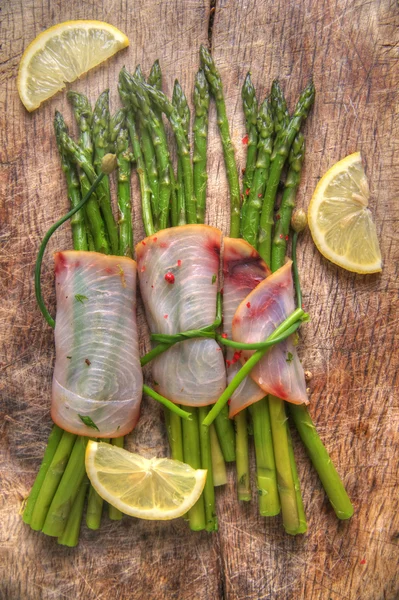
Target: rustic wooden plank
[
  {"x": 131, "y": 559},
  {"x": 351, "y": 50}
]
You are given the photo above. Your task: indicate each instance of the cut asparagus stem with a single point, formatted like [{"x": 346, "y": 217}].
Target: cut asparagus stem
[
  {"x": 281, "y": 149},
  {"x": 242, "y": 457},
  {"x": 51, "y": 448},
  {"x": 285, "y": 479},
  {"x": 200, "y": 132},
  {"x": 67, "y": 490},
  {"x": 70, "y": 536},
  {"x": 175, "y": 435},
  {"x": 120, "y": 137},
  {"x": 206, "y": 463},
  {"x": 114, "y": 513},
  {"x": 225, "y": 432},
  {"x": 216, "y": 87},
  {"x": 192, "y": 456},
  {"x": 250, "y": 107},
  {"x": 322, "y": 462},
  {"x": 94, "y": 506},
  {"x": 218, "y": 464},
  {"x": 269, "y": 503},
  {"x": 51, "y": 480},
  {"x": 301, "y": 511},
  {"x": 101, "y": 143}
]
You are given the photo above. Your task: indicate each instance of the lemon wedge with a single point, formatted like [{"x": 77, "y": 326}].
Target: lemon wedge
[
  {"x": 63, "y": 53},
  {"x": 340, "y": 222},
  {"x": 154, "y": 489}
]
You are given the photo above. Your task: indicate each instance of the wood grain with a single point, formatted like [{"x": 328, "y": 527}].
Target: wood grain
[{"x": 351, "y": 50}]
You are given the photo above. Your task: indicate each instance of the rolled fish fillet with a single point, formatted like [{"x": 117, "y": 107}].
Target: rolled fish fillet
[
  {"x": 97, "y": 383},
  {"x": 178, "y": 274},
  {"x": 279, "y": 372},
  {"x": 243, "y": 270}
]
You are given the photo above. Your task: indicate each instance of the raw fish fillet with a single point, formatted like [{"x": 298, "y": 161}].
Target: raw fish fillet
[
  {"x": 97, "y": 370},
  {"x": 243, "y": 270},
  {"x": 178, "y": 273},
  {"x": 279, "y": 372}
]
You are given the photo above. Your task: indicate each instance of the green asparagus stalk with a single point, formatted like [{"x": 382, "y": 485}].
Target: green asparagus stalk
[
  {"x": 192, "y": 456},
  {"x": 120, "y": 137},
  {"x": 281, "y": 230},
  {"x": 159, "y": 99},
  {"x": 148, "y": 151},
  {"x": 51, "y": 480},
  {"x": 302, "y": 528},
  {"x": 206, "y": 463},
  {"x": 200, "y": 131},
  {"x": 216, "y": 87},
  {"x": 83, "y": 116},
  {"x": 281, "y": 116},
  {"x": 67, "y": 490},
  {"x": 101, "y": 143},
  {"x": 72, "y": 179},
  {"x": 281, "y": 149},
  {"x": 322, "y": 462},
  {"x": 51, "y": 448},
  {"x": 78, "y": 157},
  {"x": 269, "y": 503},
  {"x": 140, "y": 100},
  {"x": 250, "y": 107},
  {"x": 242, "y": 457},
  {"x": 70, "y": 535},
  {"x": 145, "y": 189},
  {"x": 179, "y": 101},
  {"x": 225, "y": 432},
  {"x": 155, "y": 81},
  {"x": 250, "y": 222},
  {"x": 218, "y": 464}
]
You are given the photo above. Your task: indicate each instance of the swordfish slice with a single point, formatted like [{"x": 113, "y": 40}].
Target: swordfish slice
[
  {"x": 178, "y": 273},
  {"x": 279, "y": 372},
  {"x": 243, "y": 270},
  {"x": 97, "y": 370}
]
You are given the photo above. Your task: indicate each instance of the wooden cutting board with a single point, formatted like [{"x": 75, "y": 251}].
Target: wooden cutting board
[{"x": 351, "y": 48}]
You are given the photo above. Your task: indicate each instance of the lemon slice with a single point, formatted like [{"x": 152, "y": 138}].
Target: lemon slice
[
  {"x": 62, "y": 54},
  {"x": 342, "y": 226},
  {"x": 156, "y": 488}
]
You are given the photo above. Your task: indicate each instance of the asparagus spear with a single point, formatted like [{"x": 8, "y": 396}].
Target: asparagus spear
[
  {"x": 192, "y": 456},
  {"x": 88, "y": 175},
  {"x": 139, "y": 98},
  {"x": 159, "y": 99},
  {"x": 77, "y": 222},
  {"x": 206, "y": 463},
  {"x": 250, "y": 107},
  {"x": 292, "y": 182},
  {"x": 148, "y": 151},
  {"x": 120, "y": 137},
  {"x": 281, "y": 116},
  {"x": 200, "y": 131},
  {"x": 100, "y": 134},
  {"x": 281, "y": 149},
  {"x": 155, "y": 81},
  {"x": 179, "y": 101},
  {"x": 83, "y": 116},
  {"x": 146, "y": 207},
  {"x": 216, "y": 87},
  {"x": 250, "y": 222},
  {"x": 70, "y": 535}
]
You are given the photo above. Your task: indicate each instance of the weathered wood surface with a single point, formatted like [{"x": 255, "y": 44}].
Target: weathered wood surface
[{"x": 351, "y": 48}]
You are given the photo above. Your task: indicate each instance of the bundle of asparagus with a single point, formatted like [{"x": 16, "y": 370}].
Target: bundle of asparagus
[{"x": 56, "y": 502}]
